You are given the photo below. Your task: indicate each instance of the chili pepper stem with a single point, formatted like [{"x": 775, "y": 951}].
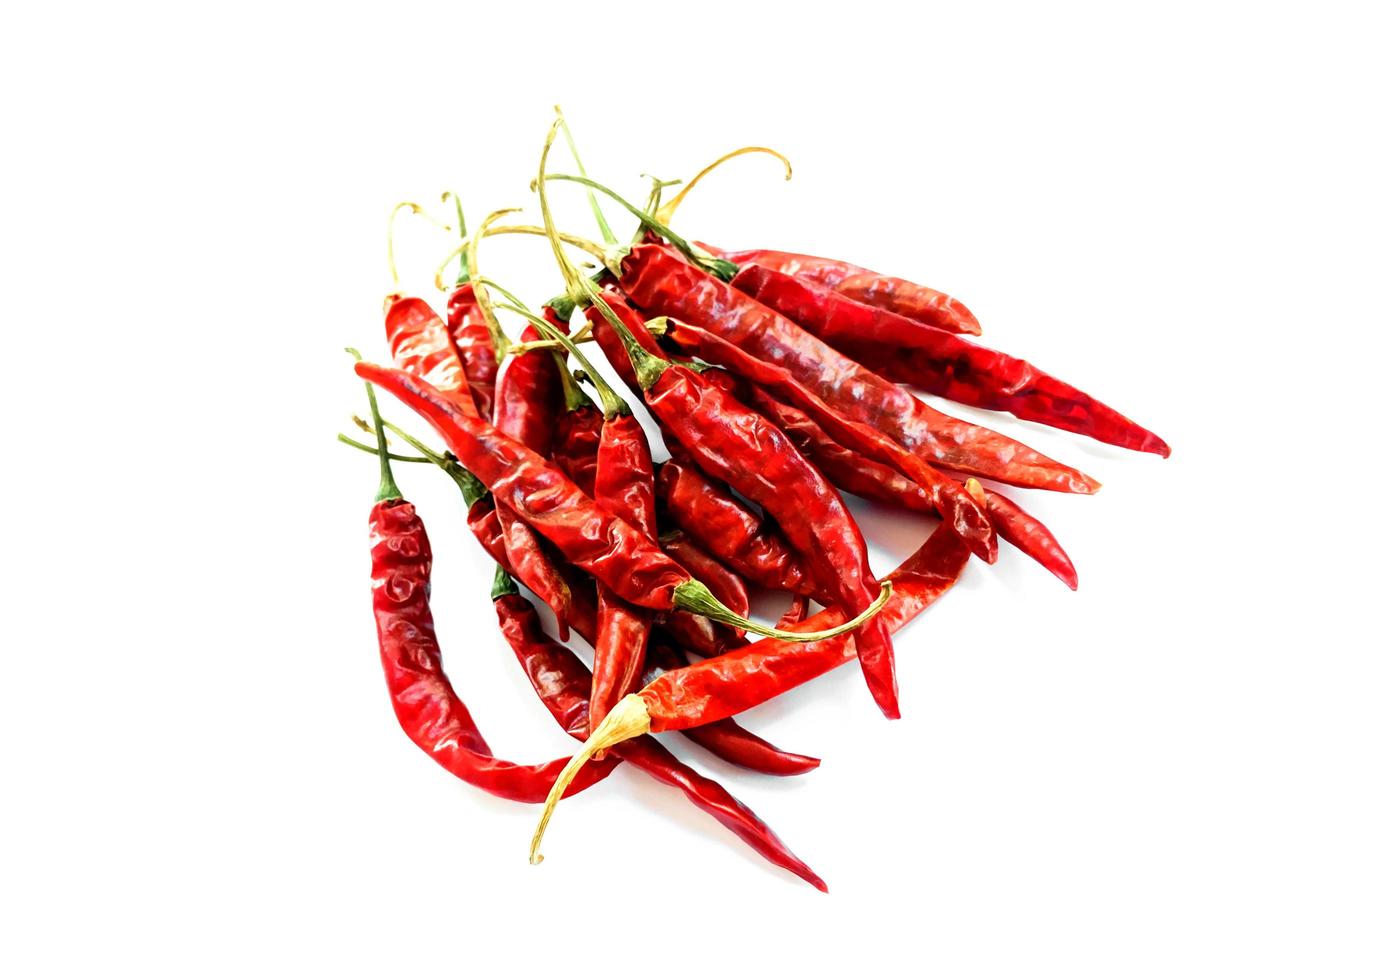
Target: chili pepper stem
[
  {"x": 628, "y": 719},
  {"x": 342, "y": 437},
  {"x": 693, "y": 596},
  {"x": 668, "y": 210},
  {"x": 645, "y": 365},
  {"x": 612, "y": 403},
  {"x": 388, "y": 489},
  {"x": 502, "y": 584},
  {"x": 464, "y": 271}
]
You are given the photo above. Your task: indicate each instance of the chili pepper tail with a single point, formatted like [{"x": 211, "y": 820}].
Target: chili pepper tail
[
  {"x": 876, "y": 653},
  {"x": 728, "y": 740}
]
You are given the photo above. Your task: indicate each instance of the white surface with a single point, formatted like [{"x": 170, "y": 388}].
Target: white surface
[{"x": 1186, "y": 769}]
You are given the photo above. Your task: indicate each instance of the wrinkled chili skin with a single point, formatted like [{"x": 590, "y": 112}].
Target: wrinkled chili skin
[
  {"x": 733, "y": 443},
  {"x": 942, "y": 363},
  {"x": 727, "y": 739},
  {"x": 728, "y": 587},
  {"x": 467, "y": 326},
  {"x": 846, "y": 468},
  {"x": 563, "y": 684},
  {"x": 625, "y": 487},
  {"x": 1032, "y": 537},
  {"x": 886, "y": 292},
  {"x": 527, "y": 403},
  {"x": 708, "y": 512},
  {"x": 609, "y": 549},
  {"x": 426, "y": 706},
  {"x": 950, "y": 497},
  {"x": 576, "y": 438},
  {"x": 662, "y": 284},
  {"x": 420, "y": 344},
  {"x": 725, "y": 686}
]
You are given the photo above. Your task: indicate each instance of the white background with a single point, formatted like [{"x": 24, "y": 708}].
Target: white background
[{"x": 1186, "y": 769}]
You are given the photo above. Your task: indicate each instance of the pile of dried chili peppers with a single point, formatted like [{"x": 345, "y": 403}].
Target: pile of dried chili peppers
[{"x": 779, "y": 382}]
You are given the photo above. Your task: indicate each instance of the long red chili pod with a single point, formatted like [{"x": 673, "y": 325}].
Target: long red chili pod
[
  {"x": 475, "y": 345},
  {"x": 725, "y": 686},
  {"x": 427, "y": 708},
  {"x": 609, "y": 549},
  {"x": 737, "y": 445},
  {"x": 1028, "y": 534},
  {"x": 728, "y": 587},
  {"x": 885, "y": 292},
  {"x": 661, "y": 284},
  {"x": 624, "y": 486},
  {"x": 727, "y": 739},
  {"x": 847, "y": 469},
  {"x": 949, "y": 496},
  {"x": 942, "y": 363},
  {"x": 708, "y": 512},
  {"x": 563, "y": 684},
  {"x": 526, "y": 405}
]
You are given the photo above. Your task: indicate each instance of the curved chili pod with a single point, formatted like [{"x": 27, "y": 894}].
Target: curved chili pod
[
  {"x": 735, "y": 444},
  {"x": 1032, "y": 537},
  {"x": 708, "y": 512},
  {"x": 467, "y": 326},
  {"x": 886, "y": 292},
  {"x": 728, "y": 587},
  {"x": 942, "y": 363},
  {"x": 661, "y": 284},
  {"x": 563, "y": 684},
  {"x": 949, "y": 496},
  {"x": 426, "y": 706},
  {"x": 727, "y": 739},
  {"x": 420, "y": 344},
  {"x": 526, "y": 405}
]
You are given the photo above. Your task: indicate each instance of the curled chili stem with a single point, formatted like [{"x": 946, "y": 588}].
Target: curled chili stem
[
  {"x": 654, "y": 198},
  {"x": 582, "y": 244},
  {"x": 416, "y": 209},
  {"x": 573, "y": 287},
  {"x": 388, "y": 489},
  {"x": 603, "y": 228},
  {"x": 483, "y": 296},
  {"x": 668, "y": 210},
  {"x": 342, "y": 437},
  {"x": 628, "y": 719},
  {"x": 720, "y": 268},
  {"x": 695, "y": 597}
]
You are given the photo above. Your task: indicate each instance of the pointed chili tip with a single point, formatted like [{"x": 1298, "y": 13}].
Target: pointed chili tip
[{"x": 1070, "y": 577}]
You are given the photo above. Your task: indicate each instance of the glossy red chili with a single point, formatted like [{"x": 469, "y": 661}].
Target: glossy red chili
[
  {"x": 737, "y": 445},
  {"x": 475, "y": 346},
  {"x": 942, "y": 363},
  {"x": 949, "y": 496},
  {"x": 885, "y": 292},
  {"x": 1029, "y": 535},
  {"x": 662, "y": 284},
  {"x": 564, "y": 684}
]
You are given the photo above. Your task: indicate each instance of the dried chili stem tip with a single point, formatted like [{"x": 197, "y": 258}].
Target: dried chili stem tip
[
  {"x": 668, "y": 210},
  {"x": 628, "y": 719},
  {"x": 416, "y": 209}
]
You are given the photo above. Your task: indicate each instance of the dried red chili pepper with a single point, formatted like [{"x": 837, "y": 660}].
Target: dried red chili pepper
[
  {"x": 609, "y": 549},
  {"x": 725, "y": 686},
  {"x": 900, "y": 296},
  {"x": 728, "y": 587},
  {"x": 846, "y": 468},
  {"x": 421, "y": 345},
  {"x": 427, "y": 708},
  {"x": 526, "y": 404},
  {"x": 709, "y": 512},
  {"x": 661, "y": 284},
  {"x": 733, "y": 443},
  {"x": 563, "y": 684},
  {"x": 726, "y": 739},
  {"x": 950, "y": 497},
  {"x": 941, "y": 363},
  {"x": 1027, "y": 534}
]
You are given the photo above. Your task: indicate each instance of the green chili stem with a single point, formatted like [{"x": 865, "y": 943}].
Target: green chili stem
[
  {"x": 613, "y": 404},
  {"x": 608, "y": 236},
  {"x": 472, "y": 489},
  {"x": 342, "y": 437},
  {"x": 722, "y": 269},
  {"x": 388, "y": 489},
  {"x": 464, "y": 272},
  {"x": 646, "y": 365},
  {"x": 668, "y": 211},
  {"x": 502, "y": 584}
]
